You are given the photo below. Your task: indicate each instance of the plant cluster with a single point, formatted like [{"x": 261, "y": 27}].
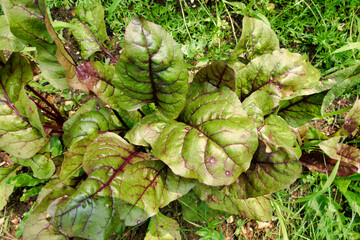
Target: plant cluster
[{"x": 226, "y": 137}]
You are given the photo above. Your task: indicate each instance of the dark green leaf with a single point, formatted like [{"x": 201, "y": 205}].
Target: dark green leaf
[
  {"x": 7, "y": 40},
  {"x": 151, "y": 69},
  {"x": 31, "y": 192},
  {"x": 56, "y": 146},
  {"x": 215, "y": 146},
  {"x": 24, "y": 180}
]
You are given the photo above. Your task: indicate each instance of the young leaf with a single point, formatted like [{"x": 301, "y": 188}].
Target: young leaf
[
  {"x": 162, "y": 227},
  {"x": 151, "y": 69},
  {"x": 146, "y": 132},
  {"x": 123, "y": 185},
  {"x": 89, "y": 29},
  {"x": 92, "y": 118},
  {"x": 254, "y": 208},
  {"x": 218, "y": 73},
  {"x": 257, "y": 39},
  {"x": 7, "y": 40},
  {"x": 5, "y": 188},
  {"x": 280, "y": 74},
  {"x": 27, "y": 23},
  {"x": 37, "y": 226},
  {"x": 41, "y": 164},
  {"x": 215, "y": 146}
]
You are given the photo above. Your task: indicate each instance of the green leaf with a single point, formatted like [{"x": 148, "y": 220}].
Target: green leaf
[
  {"x": 162, "y": 227},
  {"x": 257, "y": 105},
  {"x": 215, "y": 146},
  {"x": 347, "y": 47},
  {"x": 37, "y": 226},
  {"x": 30, "y": 29},
  {"x": 300, "y": 110},
  {"x": 257, "y": 39},
  {"x": 6, "y": 189},
  {"x": 56, "y": 146},
  {"x": 73, "y": 159},
  {"x": 24, "y": 180},
  {"x": 123, "y": 186},
  {"x": 151, "y": 69},
  {"x": 280, "y": 73},
  {"x": 89, "y": 28},
  {"x": 41, "y": 164},
  {"x": 7, "y": 40},
  {"x": 93, "y": 117},
  {"x": 218, "y": 73},
  {"x": 146, "y": 132},
  {"x": 34, "y": 191},
  {"x": 254, "y": 208}
]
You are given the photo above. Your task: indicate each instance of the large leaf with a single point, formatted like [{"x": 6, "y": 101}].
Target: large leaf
[
  {"x": 5, "y": 188},
  {"x": 41, "y": 164},
  {"x": 162, "y": 227},
  {"x": 151, "y": 69},
  {"x": 341, "y": 152},
  {"x": 37, "y": 226},
  {"x": 7, "y": 40},
  {"x": 93, "y": 117},
  {"x": 300, "y": 110},
  {"x": 214, "y": 146},
  {"x": 257, "y": 38},
  {"x": 27, "y": 23},
  {"x": 218, "y": 73},
  {"x": 89, "y": 28},
  {"x": 123, "y": 186},
  {"x": 254, "y": 208},
  {"x": 257, "y": 105},
  {"x": 280, "y": 73},
  {"x": 17, "y": 136}
]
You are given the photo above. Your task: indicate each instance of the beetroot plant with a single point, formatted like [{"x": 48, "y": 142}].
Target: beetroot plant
[{"x": 228, "y": 136}]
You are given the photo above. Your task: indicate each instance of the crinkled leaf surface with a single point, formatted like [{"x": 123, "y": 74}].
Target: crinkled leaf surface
[
  {"x": 7, "y": 40},
  {"x": 27, "y": 23},
  {"x": 317, "y": 161},
  {"x": 41, "y": 164},
  {"x": 352, "y": 119},
  {"x": 257, "y": 105},
  {"x": 218, "y": 73},
  {"x": 254, "y": 208},
  {"x": 151, "y": 69},
  {"x": 280, "y": 74},
  {"x": 164, "y": 228},
  {"x": 17, "y": 136},
  {"x": 37, "y": 226},
  {"x": 257, "y": 38},
  {"x": 215, "y": 146},
  {"x": 123, "y": 185},
  {"x": 73, "y": 159},
  {"x": 300, "y": 110},
  {"x": 92, "y": 118},
  {"x": 146, "y": 132},
  {"x": 98, "y": 79},
  {"x": 5, "y": 188},
  {"x": 90, "y": 29},
  {"x": 341, "y": 152}
]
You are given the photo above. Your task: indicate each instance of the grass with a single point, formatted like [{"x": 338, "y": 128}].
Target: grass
[{"x": 326, "y": 30}]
